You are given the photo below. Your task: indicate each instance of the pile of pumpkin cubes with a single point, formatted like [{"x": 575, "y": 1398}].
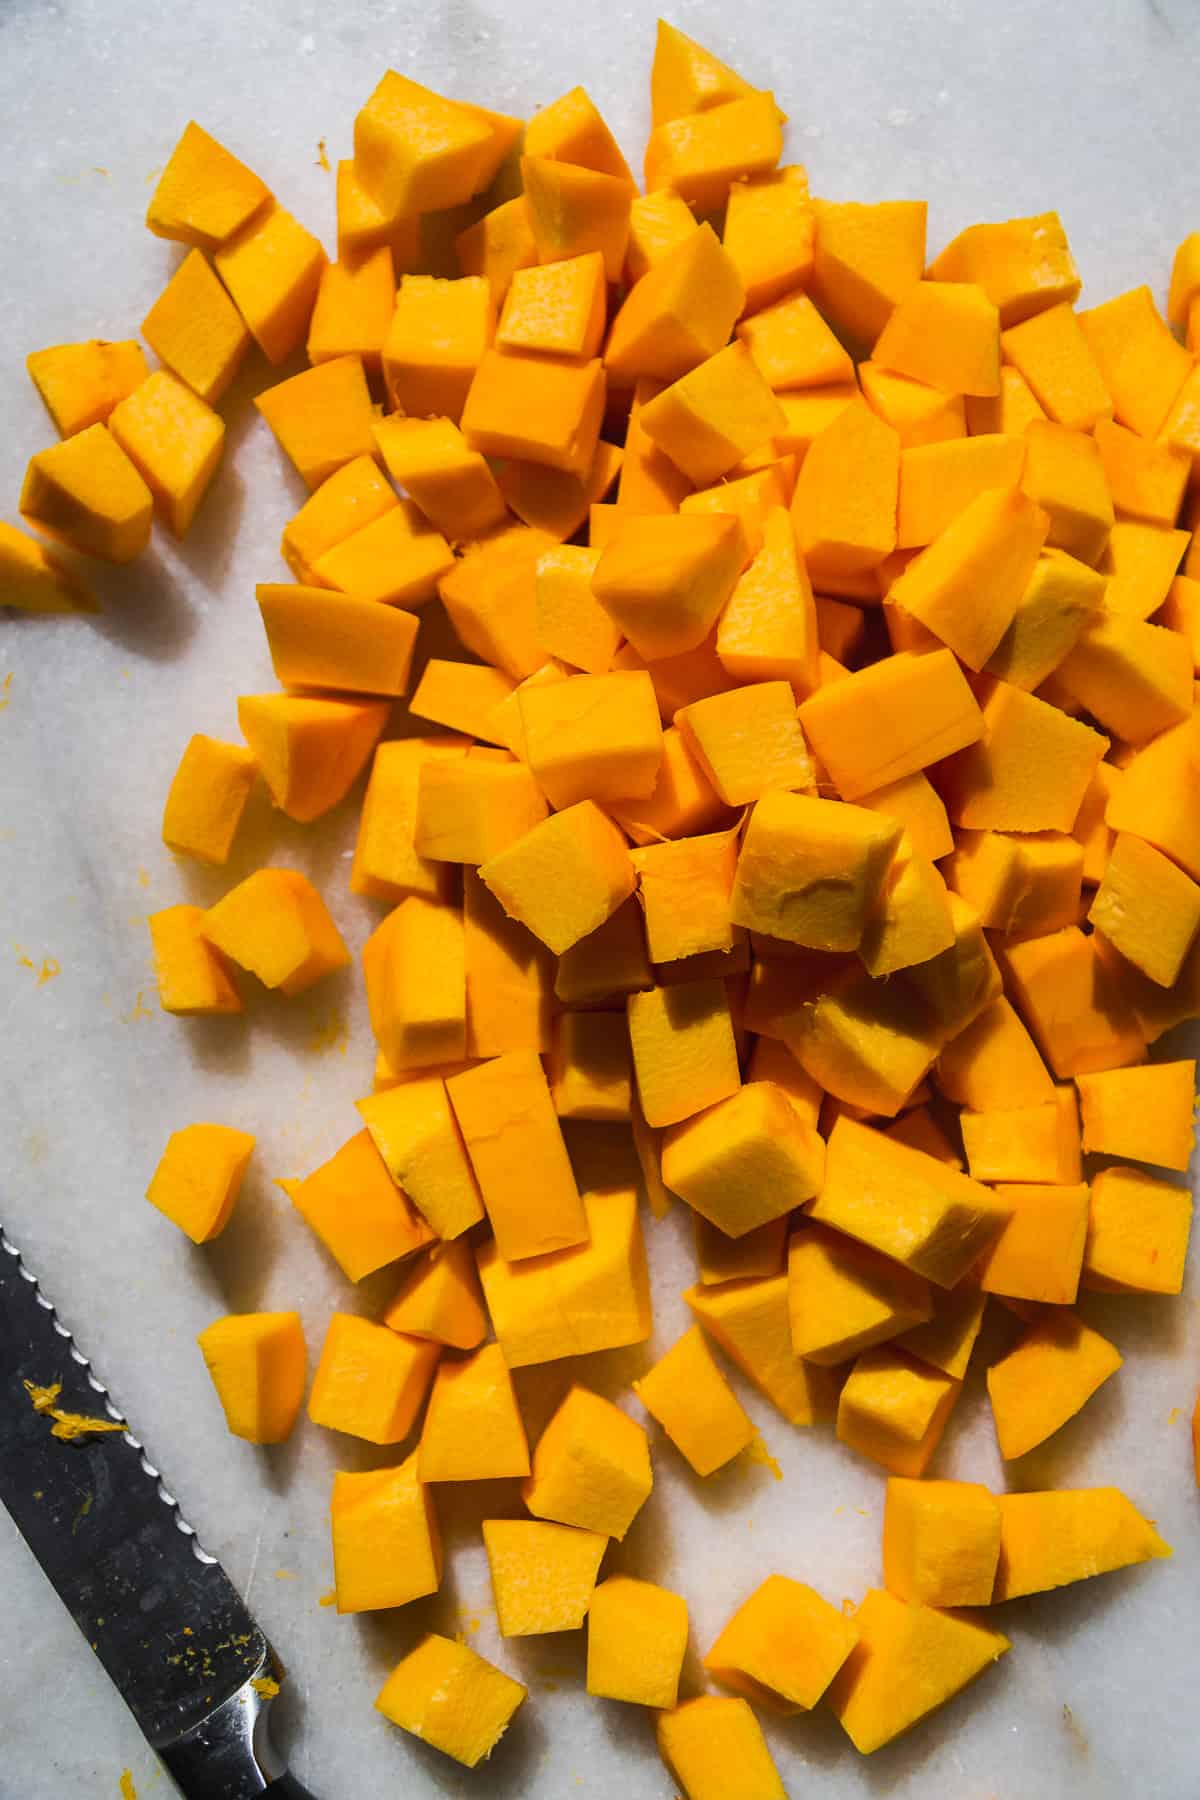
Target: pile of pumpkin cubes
[{"x": 816, "y": 796}]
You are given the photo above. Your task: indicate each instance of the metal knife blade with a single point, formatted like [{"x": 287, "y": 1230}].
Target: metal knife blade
[{"x": 157, "y": 1609}]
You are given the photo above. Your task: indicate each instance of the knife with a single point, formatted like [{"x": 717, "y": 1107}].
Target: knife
[{"x": 187, "y": 1657}]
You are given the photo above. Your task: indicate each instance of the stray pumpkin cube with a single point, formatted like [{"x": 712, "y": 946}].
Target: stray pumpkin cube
[
  {"x": 88, "y": 494},
  {"x": 451, "y": 1698},
  {"x": 439, "y": 1299},
  {"x": 1030, "y": 770},
  {"x": 1138, "y": 1231},
  {"x": 591, "y": 1073},
  {"x": 684, "y": 891},
  {"x": 356, "y": 496},
  {"x": 195, "y": 329},
  {"x": 363, "y": 227},
  {"x": 1061, "y": 597},
  {"x": 413, "y": 1130},
  {"x": 506, "y": 1115},
  {"x": 594, "y": 1296},
  {"x": 686, "y": 78},
  {"x": 564, "y": 878},
  {"x": 310, "y": 751},
  {"x": 749, "y": 1320},
  {"x": 256, "y": 1361},
  {"x": 844, "y": 1298},
  {"x": 542, "y": 1575},
  {"x": 438, "y": 337},
  {"x": 701, "y": 156},
  {"x": 473, "y": 1429},
  {"x": 414, "y": 966},
  {"x": 1052, "y": 353},
  {"x": 591, "y": 1467},
  {"x": 1073, "y": 1004},
  {"x": 658, "y": 222},
  {"x": 1147, "y": 908},
  {"x": 198, "y": 1178},
  {"x": 914, "y": 922},
  {"x": 174, "y": 440},
  {"x": 1144, "y": 1114},
  {"x": 939, "y": 480},
  {"x": 470, "y": 809},
  {"x": 690, "y": 1398},
  {"x": 204, "y": 194},
  {"x": 684, "y": 1054},
  {"x": 894, "y": 1409},
  {"x": 769, "y": 234},
  {"x": 1142, "y": 364},
  {"x": 594, "y": 737},
  {"x": 450, "y": 482},
  {"x": 990, "y": 549},
  {"x": 571, "y": 623},
  {"x": 844, "y": 531},
  {"x": 319, "y": 638},
  {"x": 273, "y": 268},
  {"x": 34, "y": 580},
  {"x": 557, "y": 307},
  {"x": 867, "y": 258},
  {"x": 769, "y": 626},
  {"x": 322, "y": 418},
  {"x": 497, "y": 245},
  {"x": 946, "y": 333},
  {"x": 360, "y": 1215},
  {"x": 81, "y": 383},
  {"x": 812, "y": 871},
  {"x": 510, "y": 977},
  {"x": 746, "y": 1160},
  {"x": 664, "y": 580},
  {"x": 1048, "y": 1540},
  {"x": 909, "y": 1660},
  {"x": 387, "y": 1548},
  {"x": 637, "y": 1640},
  {"x": 538, "y": 409},
  {"x": 713, "y": 1747},
  {"x": 747, "y": 740},
  {"x": 941, "y": 1542},
  {"x": 679, "y": 314},
  {"x": 891, "y": 719},
  {"x": 1051, "y": 1373},
  {"x": 1039, "y": 1254},
  {"x": 370, "y": 1381},
  {"x": 574, "y": 211},
  {"x": 275, "y": 924},
  {"x": 783, "y": 1646},
  {"x": 206, "y": 798},
  {"x": 905, "y": 1203},
  {"x": 868, "y": 1043},
  {"x": 1024, "y": 1143},
  {"x": 710, "y": 417},
  {"x": 1136, "y": 679},
  {"x": 415, "y": 151},
  {"x": 353, "y": 309},
  {"x": 193, "y": 977},
  {"x": 386, "y": 865},
  {"x": 949, "y": 1338},
  {"x": 1023, "y": 265}
]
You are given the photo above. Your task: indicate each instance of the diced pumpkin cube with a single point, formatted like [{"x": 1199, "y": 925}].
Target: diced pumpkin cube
[
  {"x": 275, "y": 924},
  {"x": 542, "y": 1575},
  {"x": 273, "y": 268},
  {"x": 370, "y": 1381},
  {"x": 204, "y": 194},
  {"x": 783, "y": 1646},
  {"x": 194, "y": 978},
  {"x": 1053, "y": 1371},
  {"x": 506, "y": 1115},
  {"x": 894, "y": 1409},
  {"x": 256, "y": 1361},
  {"x": 1144, "y": 1114},
  {"x": 446, "y": 1695},
  {"x": 198, "y": 1178},
  {"x": 637, "y": 1640},
  {"x": 844, "y": 1297},
  {"x": 1137, "y": 1236},
  {"x": 310, "y": 750},
  {"x": 387, "y": 1548},
  {"x": 413, "y": 1129},
  {"x": 591, "y": 1466},
  {"x": 88, "y": 494},
  {"x": 941, "y": 1542},
  {"x": 1048, "y": 1540},
  {"x": 745, "y": 1160},
  {"x": 473, "y": 1429},
  {"x": 690, "y": 1398},
  {"x": 360, "y": 1215}
]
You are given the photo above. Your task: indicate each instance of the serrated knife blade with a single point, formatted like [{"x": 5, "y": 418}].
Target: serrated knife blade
[{"x": 159, "y": 1612}]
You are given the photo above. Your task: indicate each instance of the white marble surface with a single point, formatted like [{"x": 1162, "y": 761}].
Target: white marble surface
[{"x": 986, "y": 110}]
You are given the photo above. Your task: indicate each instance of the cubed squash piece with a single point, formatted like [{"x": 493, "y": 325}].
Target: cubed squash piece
[
  {"x": 894, "y": 1409},
  {"x": 715, "y": 1748},
  {"x": 196, "y": 330},
  {"x": 591, "y": 1072},
  {"x": 1039, "y": 1254},
  {"x": 415, "y": 151},
  {"x": 1147, "y": 908},
  {"x": 446, "y": 1695},
  {"x": 275, "y": 924},
  {"x": 684, "y": 889},
  {"x": 564, "y": 878},
  {"x": 946, "y": 333},
  {"x": 33, "y": 579},
  {"x": 194, "y": 978},
  {"x": 542, "y": 1575},
  {"x": 1023, "y": 265},
  {"x": 206, "y": 798},
  {"x": 812, "y": 871},
  {"x": 891, "y": 719},
  {"x": 439, "y": 1299},
  {"x": 506, "y": 1115},
  {"x": 867, "y": 258},
  {"x": 1048, "y": 1540},
  {"x": 387, "y": 1548},
  {"x": 204, "y": 194},
  {"x": 701, "y": 156},
  {"x": 748, "y": 740},
  {"x": 436, "y": 467},
  {"x": 539, "y": 409},
  {"x": 370, "y": 1381},
  {"x": 783, "y": 1646},
  {"x": 710, "y": 417},
  {"x": 414, "y": 1131},
  {"x": 905, "y": 1203},
  {"x": 844, "y": 1298},
  {"x": 846, "y": 529},
  {"x": 321, "y": 418},
  {"x": 356, "y": 496},
  {"x": 473, "y": 1429},
  {"x": 591, "y": 1467},
  {"x": 680, "y": 313},
  {"x": 989, "y": 550},
  {"x": 437, "y": 339},
  {"x": 574, "y": 211},
  {"x": 414, "y": 966},
  {"x": 1029, "y": 772},
  {"x": 941, "y": 1542},
  {"x": 1144, "y": 1114},
  {"x": 87, "y": 493},
  {"x": 322, "y": 639},
  {"x": 593, "y": 737},
  {"x": 360, "y": 1215},
  {"x": 692, "y": 1401},
  {"x": 868, "y": 1043},
  {"x": 684, "y": 1054},
  {"x": 353, "y": 309},
  {"x": 470, "y": 808},
  {"x": 664, "y": 579},
  {"x": 1137, "y": 1236},
  {"x": 637, "y": 1640},
  {"x": 273, "y": 268},
  {"x": 909, "y": 1660},
  {"x": 386, "y": 865},
  {"x": 746, "y": 1160},
  {"x": 198, "y": 1178},
  {"x": 1072, "y": 1002},
  {"x": 310, "y": 750},
  {"x": 749, "y": 1320},
  {"x": 1143, "y": 366},
  {"x": 1050, "y": 1374},
  {"x": 256, "y": 1361}
]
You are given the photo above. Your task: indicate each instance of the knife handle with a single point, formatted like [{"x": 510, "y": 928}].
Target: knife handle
[{"x": 229, "y": 1755}]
